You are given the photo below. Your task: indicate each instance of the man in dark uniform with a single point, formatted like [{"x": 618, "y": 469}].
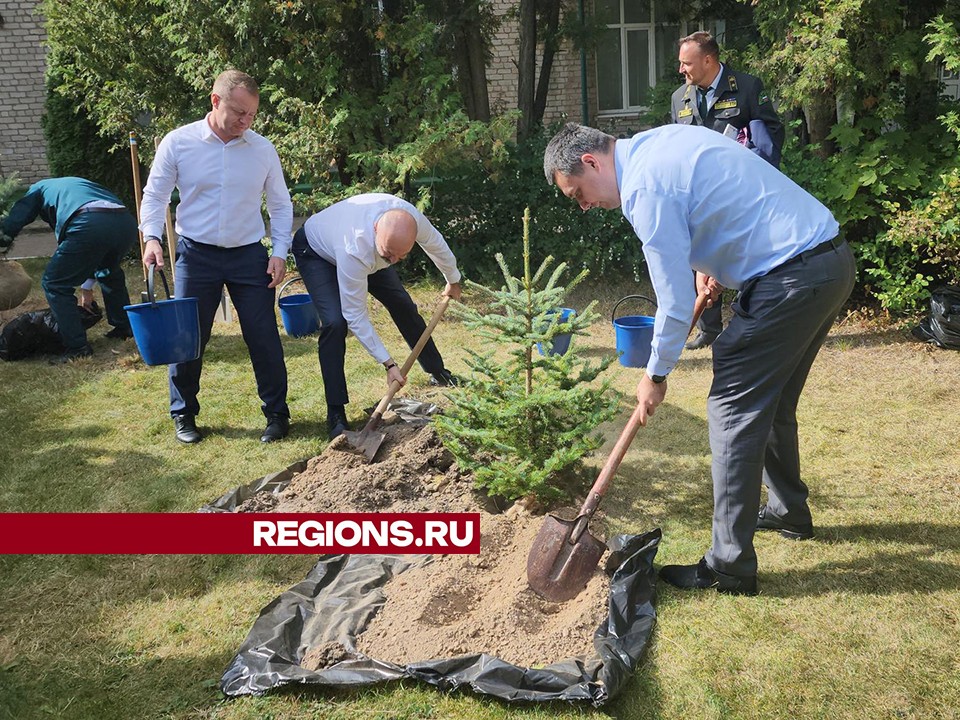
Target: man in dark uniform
[
  {"x": 732, "y": 103},
  {"x": 94, "y": 231}
]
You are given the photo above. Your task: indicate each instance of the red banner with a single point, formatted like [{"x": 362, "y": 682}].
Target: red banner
[{"x": 238, "y": 533}]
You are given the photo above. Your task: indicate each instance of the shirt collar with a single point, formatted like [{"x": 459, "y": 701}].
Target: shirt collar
[
  {"x": 715, "y": 83},
  {"x": 208, "y": 135}
]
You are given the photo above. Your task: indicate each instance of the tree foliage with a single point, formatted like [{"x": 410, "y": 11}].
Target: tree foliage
[
  {"x": 371, "y": 94},
  {"x": 862, "y": 76},
  {"x": 519, "y": 424}
]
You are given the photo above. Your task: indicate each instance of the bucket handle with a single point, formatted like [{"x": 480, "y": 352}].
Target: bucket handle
[
  {"x": 295, "y": 278},
  {"x": 151, "y": 294},
  {"x": 613, "y": 315}
]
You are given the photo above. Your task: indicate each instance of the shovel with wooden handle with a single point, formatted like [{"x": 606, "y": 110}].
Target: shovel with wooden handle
[
  {"x": 368, "y": 441},
  {"x": 564, "y": 554}
]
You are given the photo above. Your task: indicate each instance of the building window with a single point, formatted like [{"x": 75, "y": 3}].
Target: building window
[
  {"x": 635, "y": 51},
  {"x": 950, "y": 80}
]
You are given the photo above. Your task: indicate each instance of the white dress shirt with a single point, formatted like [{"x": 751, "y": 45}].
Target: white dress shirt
[
  {"x": 343, "y": 235},
  {"x": 221, "y": 186}
]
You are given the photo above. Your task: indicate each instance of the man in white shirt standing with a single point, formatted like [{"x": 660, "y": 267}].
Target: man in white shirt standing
[
  {"x": 350, "y": 249},
  {"x": 222, "y": 170}
]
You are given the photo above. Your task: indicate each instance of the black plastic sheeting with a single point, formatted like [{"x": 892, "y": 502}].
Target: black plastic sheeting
[
  {"x": 942, "y": 326},
  {"x": 342, "y": 593}
]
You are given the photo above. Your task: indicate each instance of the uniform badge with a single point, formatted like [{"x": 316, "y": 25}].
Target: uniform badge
[
  {"x": 733, "y": 83},
  {"x": 686, "y": 112},
  {"x": 725, "y": 104},
  {"x": 764, "y": 98}
]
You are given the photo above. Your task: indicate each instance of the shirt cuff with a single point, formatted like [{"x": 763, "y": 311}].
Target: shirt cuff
[{"x": 281, "y": 248}]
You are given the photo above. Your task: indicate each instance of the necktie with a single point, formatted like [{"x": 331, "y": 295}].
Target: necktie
[{"x": 702, "y": 103}]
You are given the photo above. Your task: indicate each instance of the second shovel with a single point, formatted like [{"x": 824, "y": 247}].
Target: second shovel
[{"x": 368, "y": 441}]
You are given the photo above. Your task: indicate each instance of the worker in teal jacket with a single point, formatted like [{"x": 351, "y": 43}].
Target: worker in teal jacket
[{"x": 94, "y": 231}]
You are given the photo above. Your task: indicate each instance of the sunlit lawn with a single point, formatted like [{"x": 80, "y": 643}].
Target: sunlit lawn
[{"x": 862, "y": 622}]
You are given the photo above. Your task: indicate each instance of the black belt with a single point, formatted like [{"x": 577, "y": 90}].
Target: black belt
[
  {"x": 102, "y": 210},
  {"x": 823, "y": 247},
  {"x": 211, "y": 246}
]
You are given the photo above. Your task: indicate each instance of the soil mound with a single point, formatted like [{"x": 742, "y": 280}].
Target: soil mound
[{"x": 456, "y": 604}]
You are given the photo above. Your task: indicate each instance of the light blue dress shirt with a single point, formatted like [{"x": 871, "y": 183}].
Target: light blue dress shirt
[{"x": 698, "y": 200}]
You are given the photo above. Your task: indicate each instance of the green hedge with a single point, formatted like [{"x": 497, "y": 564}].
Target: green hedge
[
  {"x": 479, "y": 208},
  {"x": 75, "y": 148}
]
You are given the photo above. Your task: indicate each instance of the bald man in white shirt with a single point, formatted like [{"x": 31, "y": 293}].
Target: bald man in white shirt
[
  {"x": 223, "y": 170},
  {"x": 350, "y": 249}
]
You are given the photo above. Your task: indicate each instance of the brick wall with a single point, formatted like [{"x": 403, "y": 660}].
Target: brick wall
[
  {"x": 22, "y": 93},
  {"x": 563, "y": 100}
]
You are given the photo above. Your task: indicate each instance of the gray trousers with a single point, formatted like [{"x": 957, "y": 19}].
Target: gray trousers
[{"x": 760, "y": 364}]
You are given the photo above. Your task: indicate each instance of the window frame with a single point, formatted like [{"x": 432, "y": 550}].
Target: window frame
[
  {"x": 653, "y": 71},
  {"x": 624, "y": 28}
]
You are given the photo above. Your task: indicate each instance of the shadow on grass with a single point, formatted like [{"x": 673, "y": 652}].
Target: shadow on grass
[
  {"x": 914, "y": 570},
  {"x": 842, "y": 338},
  {"x": 232, "y": 348}
]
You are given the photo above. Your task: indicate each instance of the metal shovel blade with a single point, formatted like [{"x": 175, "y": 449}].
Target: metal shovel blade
[
  {"x": 559, "y": 567},
  {"x": 365, "y": 442}
]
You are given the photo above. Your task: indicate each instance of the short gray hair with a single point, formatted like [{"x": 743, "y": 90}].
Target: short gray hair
[
  {"x": 230, "y": 79},
  {"x": 569, "y": 145}
]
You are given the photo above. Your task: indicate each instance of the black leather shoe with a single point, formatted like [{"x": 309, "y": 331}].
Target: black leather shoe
[
  {"x": 444, "y": 378},
  {"x": 702, "y": 577},
  {"x": 186, "y": 427},
  {"x": 277, "y": 429},
  {"x": 702, "y": 340},
  {"x": 119, "y": 333},
  {"x": 766, "y": 520},
  {"x": 337, "y": 424},
  {"x": 74, "y": 354}
]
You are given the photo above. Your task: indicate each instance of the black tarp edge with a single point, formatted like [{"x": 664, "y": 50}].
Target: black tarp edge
[{"x": 340, "y": 595}]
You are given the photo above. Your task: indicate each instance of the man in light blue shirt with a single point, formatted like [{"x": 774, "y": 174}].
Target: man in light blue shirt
[{"x": 697, "y": 201}]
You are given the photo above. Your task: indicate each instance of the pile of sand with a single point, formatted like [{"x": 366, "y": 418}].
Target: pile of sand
[{"x": 457, "y": 604}]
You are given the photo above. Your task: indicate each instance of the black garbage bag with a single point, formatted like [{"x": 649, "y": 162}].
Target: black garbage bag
[
  {"x": 342, "y": 593},
  {"x": 37, "y": 333},
  {"x": 942, "y": 326}
]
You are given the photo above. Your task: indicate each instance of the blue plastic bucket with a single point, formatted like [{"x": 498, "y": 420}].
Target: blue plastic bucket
[
  {"x": 560, "y": 343},
  {"x": 634, "y": 335},
  {"x": 297, "y": 312},
  {"x": 166, "y": 331}
]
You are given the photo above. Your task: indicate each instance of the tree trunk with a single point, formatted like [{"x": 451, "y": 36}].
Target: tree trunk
[
  {"x": 476, "y": 54},
  {"x": 526, "y": 66},
  {"x": 551, "y": 41},
  {"x": 821, "y": 114}
]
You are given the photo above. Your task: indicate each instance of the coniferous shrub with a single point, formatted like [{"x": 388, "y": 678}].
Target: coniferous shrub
[{"x": 522, "y": 423}]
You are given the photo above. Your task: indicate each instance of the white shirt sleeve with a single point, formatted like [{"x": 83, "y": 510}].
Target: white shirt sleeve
[
  {"x": 352, "y": 278},
  {"x": 436, "y": 248},
  {"x": 156, "y": 194},
  {"x": 279, "y": 208}
]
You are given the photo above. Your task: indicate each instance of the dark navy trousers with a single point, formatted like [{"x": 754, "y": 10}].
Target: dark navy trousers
[
  {"x": 320, "y": 277},
  {"x": 202, "y": 271},
  {"x": 93, "y": 245}
]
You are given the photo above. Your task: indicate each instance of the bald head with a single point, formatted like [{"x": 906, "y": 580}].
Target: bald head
[{"x": 396, "y": 233}]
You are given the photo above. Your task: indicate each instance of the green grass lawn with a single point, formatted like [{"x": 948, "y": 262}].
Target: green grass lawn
[{"x": 863, "y": 622}]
